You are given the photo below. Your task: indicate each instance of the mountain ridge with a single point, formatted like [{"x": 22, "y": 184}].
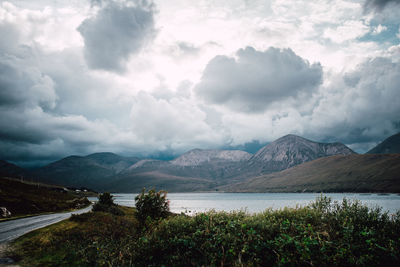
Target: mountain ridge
[
  {"x": 388, "y": 146},
  {"x": 339, "y": 173},
  {"x": 197, "y": 169},
  {"x": 291, "y": 150}
]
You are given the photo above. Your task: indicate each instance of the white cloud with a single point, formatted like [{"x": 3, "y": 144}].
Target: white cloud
[
  {"x": 349, "y": 30},
  {"x": 162, "y": 92},
  {"x": 378, "y": 29},
  {"x": 177, "y": 123},
  {"x": 257, "y": 79}
]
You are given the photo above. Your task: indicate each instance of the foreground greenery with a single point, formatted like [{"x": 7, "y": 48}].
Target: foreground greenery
[{"x": 322, "y": 234}]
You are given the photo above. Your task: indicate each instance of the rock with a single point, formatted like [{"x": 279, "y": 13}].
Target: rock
[{"x": 4, "y": 212}]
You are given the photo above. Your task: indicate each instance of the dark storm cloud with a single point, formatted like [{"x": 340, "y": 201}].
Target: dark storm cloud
[
  {"x": 378, "y": 4},
  {"x": 31, "y": 125},
  {"x": 363, "y": 108},
  {"x": 24, "y": 86},
  {"x": 117, "y": 31},
  {"x": 257, "y": 79}
]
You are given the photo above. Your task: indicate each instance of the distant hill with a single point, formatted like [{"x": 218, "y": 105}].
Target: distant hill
[
  {"x": 134, "y": 182},
  {"x": 289, "y": 151},
  {"x": 340, "y": 173},
  {"x": 390, "y": 145},
  {"x": 204, "y": 170},
  {"x": 195, "y": 170},
  {"x": 91, "y": 171},
  {"x": 197, "y": 157},
  {"x": 8, "y": 169}
]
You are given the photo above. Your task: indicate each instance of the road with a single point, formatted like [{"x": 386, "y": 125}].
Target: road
[{"x": 12, "y": 229}]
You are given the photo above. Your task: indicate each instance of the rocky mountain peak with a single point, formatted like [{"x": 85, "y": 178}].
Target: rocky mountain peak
[
  {"x": 291, "y": 150},
  {"x": 197, "y": 157}
]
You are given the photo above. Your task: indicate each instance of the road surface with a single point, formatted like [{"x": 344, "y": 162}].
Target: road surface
[{"x": 12, "y": 229}]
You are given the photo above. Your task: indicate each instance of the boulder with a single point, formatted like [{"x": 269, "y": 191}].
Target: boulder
[{"x": 4, "y": 212}]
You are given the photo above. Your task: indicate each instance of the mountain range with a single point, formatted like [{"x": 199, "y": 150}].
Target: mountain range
[
  {"x": 204, "y": 170},
  {"x": 340, "y": 173}
]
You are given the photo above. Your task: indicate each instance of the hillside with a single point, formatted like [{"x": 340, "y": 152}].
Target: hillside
[
  {"x": 289, "y": 151},
  {"x": 25, "y": 198},
  {"x": 134, "y": 182},
  {"x": 390, "y": 145},
  {"x": 11, "y": 170},
  {"x": 91, "y": 171},
  {"x": 198, "y": 157},
  {"x": 195, "y": 170},
  {"x": 341, "y": 173}
]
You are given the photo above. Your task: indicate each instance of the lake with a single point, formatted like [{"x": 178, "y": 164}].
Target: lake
[{"x": 191, "y": 203}]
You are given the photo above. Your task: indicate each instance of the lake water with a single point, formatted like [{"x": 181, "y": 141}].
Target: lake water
[{"x": 191, "y": 203}]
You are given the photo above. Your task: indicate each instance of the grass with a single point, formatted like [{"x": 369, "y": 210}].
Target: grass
[
  {"x": 24, "y": 199},
  {"x": 321, "y": 234}
]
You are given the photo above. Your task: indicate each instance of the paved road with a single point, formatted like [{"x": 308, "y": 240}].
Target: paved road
[{"x": 10, "y": 230}]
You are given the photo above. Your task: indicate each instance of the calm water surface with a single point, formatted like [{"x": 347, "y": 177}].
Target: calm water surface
[{"x": 191, "y": 203}]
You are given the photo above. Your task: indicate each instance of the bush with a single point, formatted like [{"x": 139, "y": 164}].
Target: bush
[
  {"x": 324, "y": 233},
  {"x": 106, "y": 204},
  {"x": 153, "y": 205},
  {"x": 106, "y": 199}
]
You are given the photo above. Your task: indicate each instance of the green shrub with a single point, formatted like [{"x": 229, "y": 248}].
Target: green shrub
[
  {"x": 324, "y": 233},
  {"x": 151, "y": 205},
  {"x": 106, "y": 199},
  {"x": 106, "y": 204}
]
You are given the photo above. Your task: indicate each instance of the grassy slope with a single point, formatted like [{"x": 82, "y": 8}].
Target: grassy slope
[
  {"x": 352, "y": 173},
  {"x": 24, "y": 198},
  {"x": 90, "y": 239},
  {"x": 323, "y": 234},
  {"x": 135, "y": 183}
]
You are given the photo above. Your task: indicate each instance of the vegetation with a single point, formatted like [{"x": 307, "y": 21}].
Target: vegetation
[
  {"x": 321, "y": 234},
  {"x": 24, "y": 198},
  {"x": 151, "y": 205},
  {"x": 106, "y": 204}
]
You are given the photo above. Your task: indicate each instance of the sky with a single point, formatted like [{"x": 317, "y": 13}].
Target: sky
[{"x": 158, "y": 78}]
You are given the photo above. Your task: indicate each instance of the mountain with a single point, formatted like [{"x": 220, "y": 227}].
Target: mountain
[
  {"x": 11, "y": 170},
  {"x": 289, "y": 151},
  {"x": 134, "y": 182},
  {"x": 91, "y": 171},
  {"x": 198, "y": 157},
  {"x": 389, "y": 146},
  {"x": 195, "y": 170},
  {"x": 340, "y": 173}
]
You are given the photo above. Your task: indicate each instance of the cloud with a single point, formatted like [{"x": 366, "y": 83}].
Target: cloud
[
  {"x": 27, "y": 86},
  {"x": 192, "y": 87},
  {"x": 362, "y": 106},
  {"x": 378, "y": 29},
  {"x": 379, "y": 5},
  {"x": 117, "y": 31},
  {"x": 254, "y": 80},
  {"x": 347, "y": 31},
  {"x": 176, "y": 123}
]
